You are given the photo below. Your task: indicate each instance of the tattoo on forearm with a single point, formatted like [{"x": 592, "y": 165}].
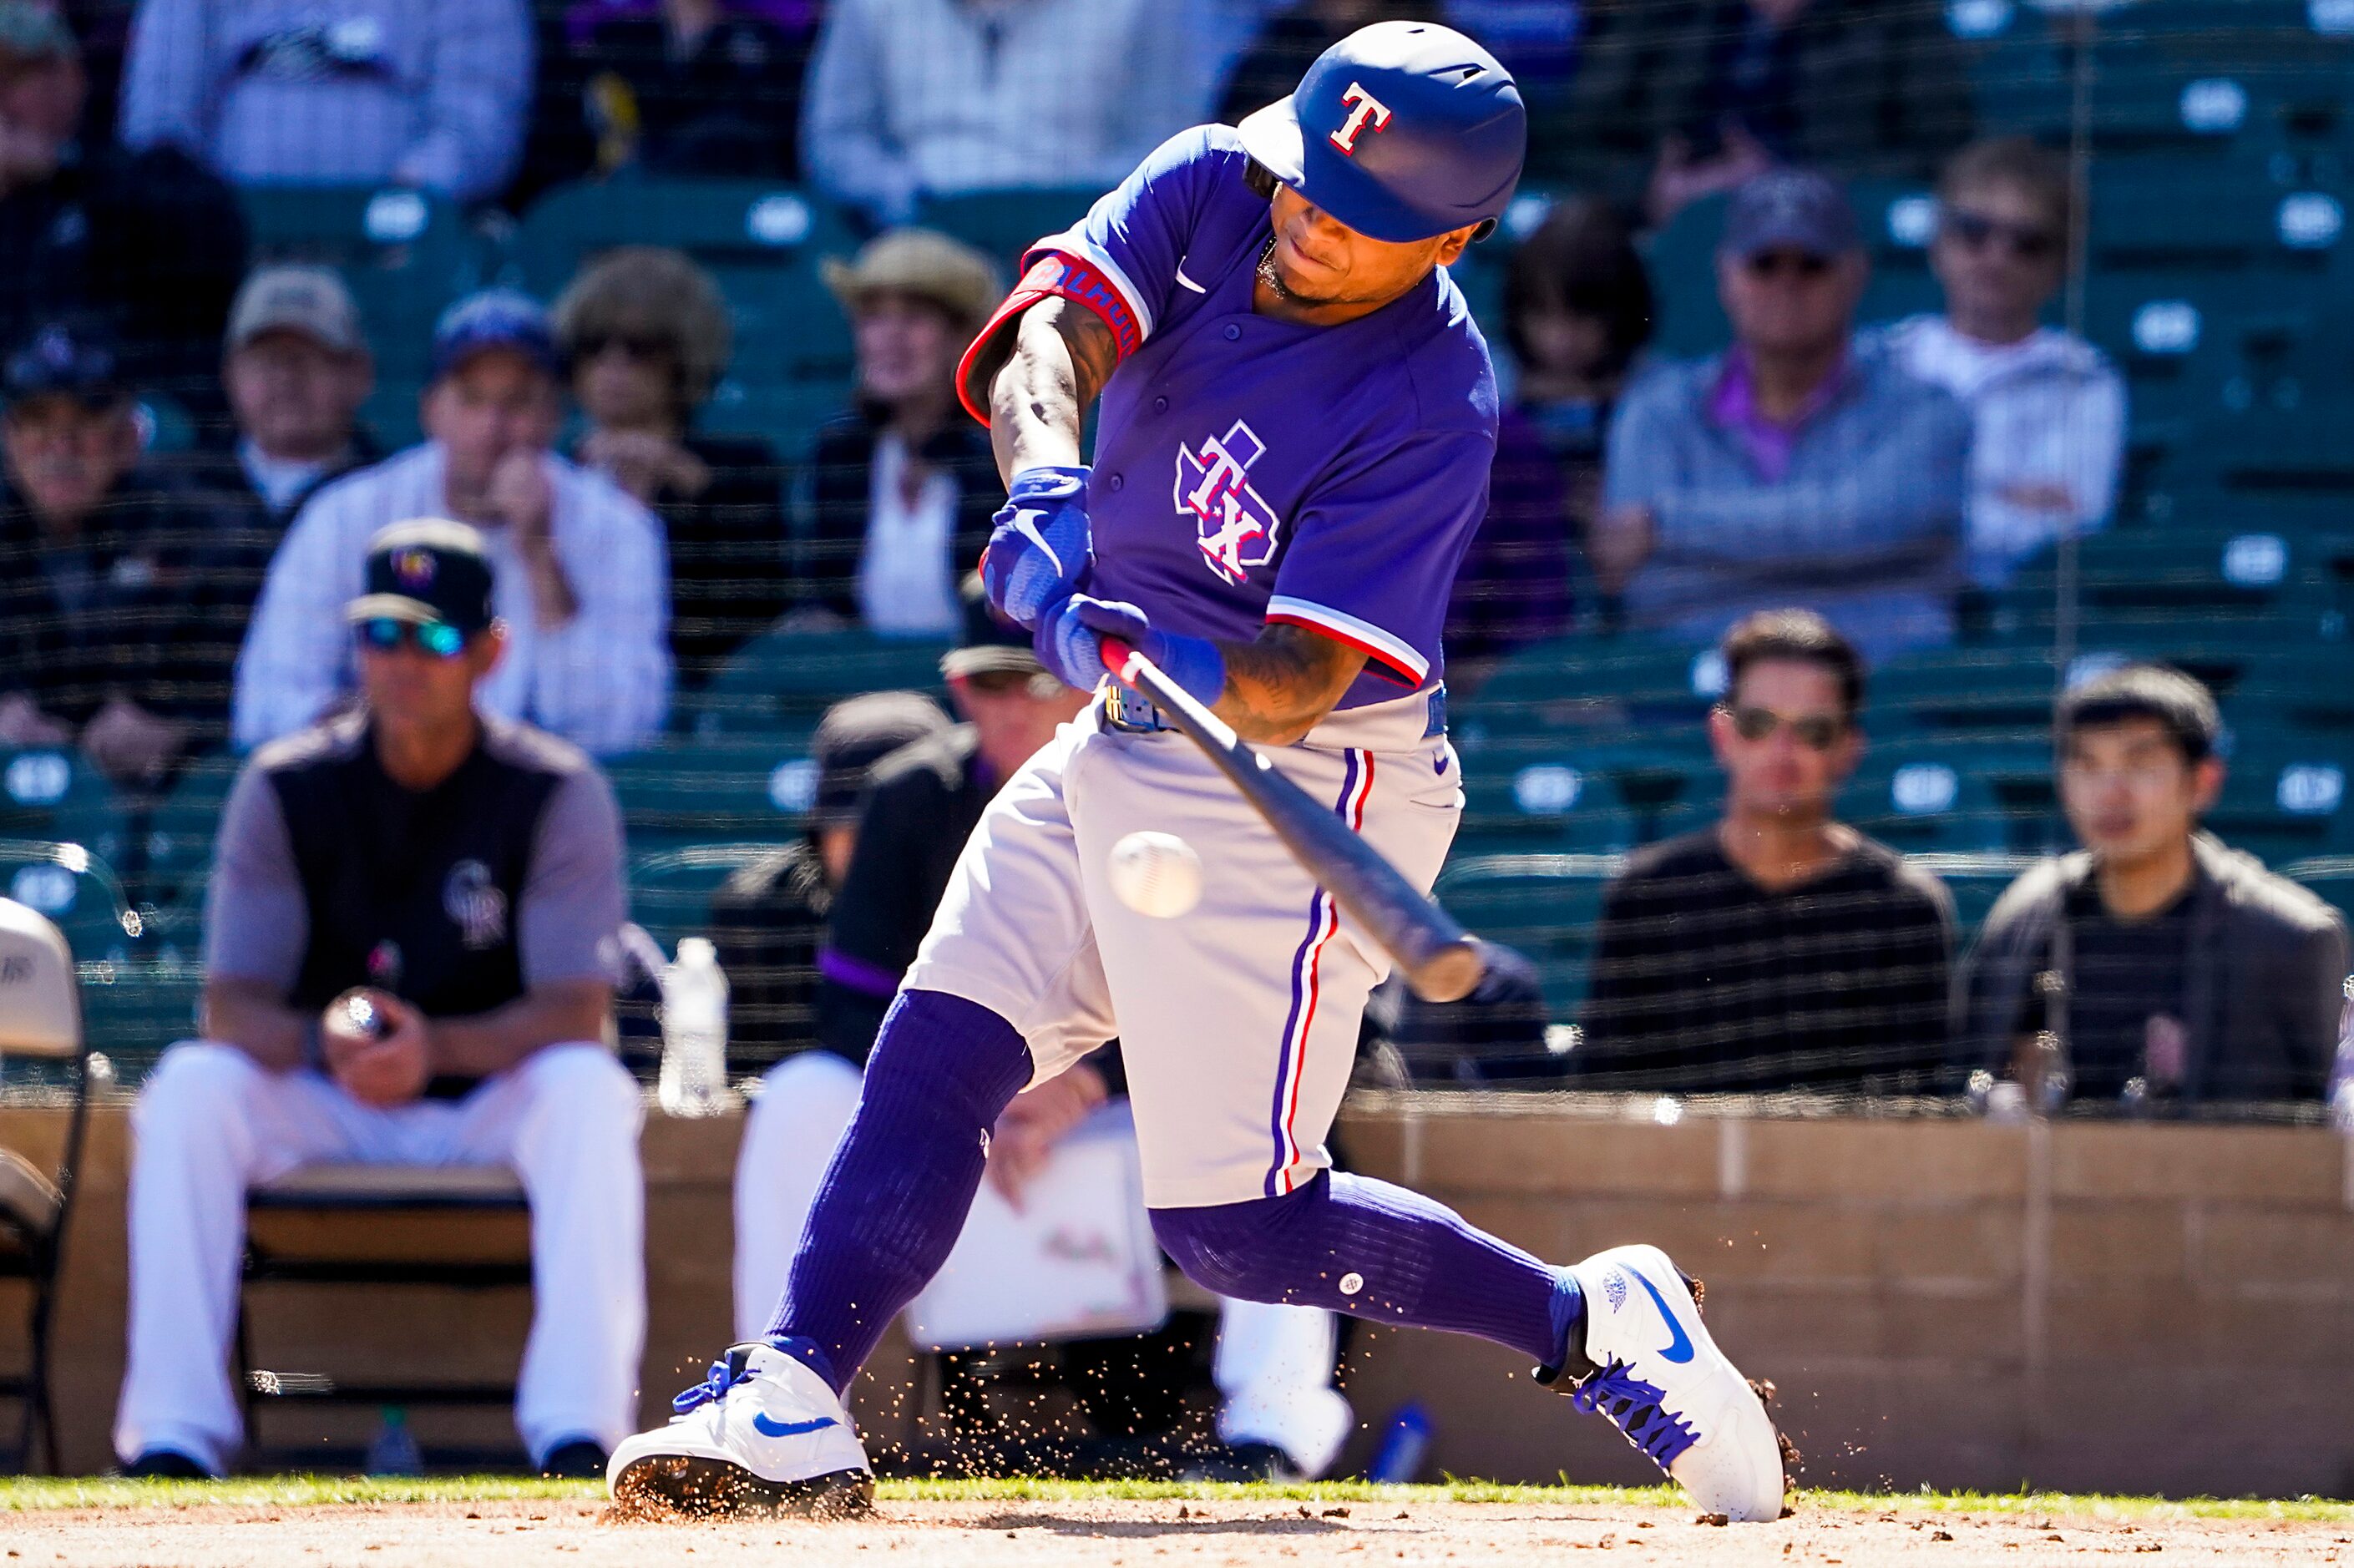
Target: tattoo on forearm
[{"x": 1283, "y": 682}]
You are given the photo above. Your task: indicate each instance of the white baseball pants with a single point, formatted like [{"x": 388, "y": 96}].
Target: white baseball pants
[
  {"x": 1273, "y": 1365},
  {"x": 211, "y": 1122}
]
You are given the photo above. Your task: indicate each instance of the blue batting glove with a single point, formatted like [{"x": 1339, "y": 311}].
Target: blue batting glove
[
  {"x": 1038, "y": 552},
  {"x": 1070, "y": 640}
]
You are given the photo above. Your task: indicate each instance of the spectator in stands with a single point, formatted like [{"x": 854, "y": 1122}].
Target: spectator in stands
[
  {"x": 2049, "y": 408},
  {"x": 99, "y": 645},
  {"x": 768, "y": 919},
  {"x": 1778, "y": 948},
  {"x": 910, "y": 99},
  {"x": 430, "y": 93},
  {"x": 346, "y": 1017},
  {"x": 922, "y": 803},
  {"x": 893, "y": 505},
  {"x": 645, "y": 332},
  {"x": 297, "y": 369},
  {"x": 146, "y": 242},
  {"x": 1686, "y": 98},
  {"x": 2190, "y": 972},
  {"x": 682, "y": 87},
  {"x": 1798, "y": 464},
  {"x": 582, "y": 581},
  {"x": 1289, "y": 41},
  {"x": 1577, "y": 311}
]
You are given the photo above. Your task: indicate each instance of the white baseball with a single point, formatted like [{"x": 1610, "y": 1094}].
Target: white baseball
[{"x": 1156, "y": 873}]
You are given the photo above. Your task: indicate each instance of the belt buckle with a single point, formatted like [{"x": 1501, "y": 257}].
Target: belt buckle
[{"x": 1128, "y": 712}]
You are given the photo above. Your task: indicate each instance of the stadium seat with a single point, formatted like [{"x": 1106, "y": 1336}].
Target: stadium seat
[
  {"x": 1543, "y": 905},
  {"x": 671, "y": 890},
  {"x": 176, "y": 847},
  {"x": 136, "y": 1012},
  {"x": 1976, "y": 881},
  {"x": 782, "y": 681},
  {"x": 1592, "y": 689},
  {"x": 2284, "y": 806},
  {"x": 405, "y": 254},
  {"x": 1923, "y": 799},
  {"x": 80, "y": 893},
  {"x": 1533, "y": 794},
  {"x": 760, "y": 239},
  {"x": 1006, "y": 223},
  {"x": 2210, "y": 583},
  {"x": 731, "y": 789},
  {"x": 1982, "y": 693},
  {"x": 49, "y": 792}
]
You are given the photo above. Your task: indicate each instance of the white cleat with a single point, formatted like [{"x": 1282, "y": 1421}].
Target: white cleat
[
  {"x": 1649, "y": 1366},
  {"x": 763, "y": 1435}
]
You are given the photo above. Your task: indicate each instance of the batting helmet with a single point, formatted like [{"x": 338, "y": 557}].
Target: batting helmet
[{"x": 1402, "y": 131}]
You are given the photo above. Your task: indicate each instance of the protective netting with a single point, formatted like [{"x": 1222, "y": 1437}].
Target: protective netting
[{"x": 2203, "y": 146}]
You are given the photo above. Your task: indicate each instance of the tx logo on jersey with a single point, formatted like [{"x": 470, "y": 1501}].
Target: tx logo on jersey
[
  {"x": 1364, "y": 110},
  {"x": 1236, "y": 526}
]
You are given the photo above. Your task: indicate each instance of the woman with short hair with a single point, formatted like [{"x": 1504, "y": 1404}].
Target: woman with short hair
[{"x": 645, "y": 332}]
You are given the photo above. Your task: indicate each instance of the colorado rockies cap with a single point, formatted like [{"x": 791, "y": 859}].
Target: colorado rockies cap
[
  {"x": 1402, "y": 131},
  {"x": 1789, "y": 209},
  {"x": 495, "y": 318},
  {"x": 426, "y": 569},
  {"x": 856, "y": 734},
  {"x": 74, "y": 357}
]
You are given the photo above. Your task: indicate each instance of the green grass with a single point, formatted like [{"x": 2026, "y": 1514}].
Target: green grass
[{"x": 31, "y": 1494}]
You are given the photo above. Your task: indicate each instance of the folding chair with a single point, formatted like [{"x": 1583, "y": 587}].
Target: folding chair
[
  {"x": 40, "y": 1016},
  {"x": 361, "y": 1225}
]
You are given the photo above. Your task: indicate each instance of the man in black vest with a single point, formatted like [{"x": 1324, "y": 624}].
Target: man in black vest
[{"x": 409, "y": 934}]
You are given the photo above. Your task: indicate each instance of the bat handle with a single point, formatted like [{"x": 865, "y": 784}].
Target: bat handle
[{"x": 1115, "y": 655}]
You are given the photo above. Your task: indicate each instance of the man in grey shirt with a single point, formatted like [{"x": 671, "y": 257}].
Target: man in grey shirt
[
  {"x": 1799, "y": 466},
  {"x": 410, "y": 928}
]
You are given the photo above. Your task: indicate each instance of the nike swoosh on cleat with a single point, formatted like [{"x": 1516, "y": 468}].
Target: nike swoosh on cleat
[
  {"x": 1678, "y": 1350},
  {"x": 768, "y": 1428}
]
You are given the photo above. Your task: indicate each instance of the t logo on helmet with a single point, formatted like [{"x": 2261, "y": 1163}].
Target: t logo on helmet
[{"x": 1364, "y": 110}]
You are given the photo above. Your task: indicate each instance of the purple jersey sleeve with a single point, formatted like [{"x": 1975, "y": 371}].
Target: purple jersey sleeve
[
  {"x": 1375, "y": 552},
  {"x": 1135, "y": 236}
]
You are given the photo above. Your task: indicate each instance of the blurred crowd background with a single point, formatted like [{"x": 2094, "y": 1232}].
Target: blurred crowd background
[{"x": 2009, "y": 341}]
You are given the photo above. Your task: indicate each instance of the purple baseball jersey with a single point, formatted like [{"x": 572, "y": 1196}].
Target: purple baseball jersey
[{"x": 1249, "y": 470}]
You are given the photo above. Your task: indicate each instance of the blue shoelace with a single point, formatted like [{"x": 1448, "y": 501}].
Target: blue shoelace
[
  {"x": 724, "y": 1374},
  {"x": 1637, "y": 1409}
]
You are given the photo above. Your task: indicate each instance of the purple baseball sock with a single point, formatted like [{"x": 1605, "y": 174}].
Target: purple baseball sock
[
  {"x": 1352, "y": 1244},
  {"x": 894, "y": 1198}
]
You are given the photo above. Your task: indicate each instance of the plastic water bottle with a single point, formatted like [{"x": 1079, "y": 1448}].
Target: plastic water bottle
[
  {"x": 694, "y": 1032},
  {"x": 394, "y": 1451},
  {"x": 2341, "y": 1071},
  {"x": 1399, "y": 1458}
]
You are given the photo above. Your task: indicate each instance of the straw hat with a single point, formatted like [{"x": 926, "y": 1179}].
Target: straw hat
[{"x": 922, "y": 262}]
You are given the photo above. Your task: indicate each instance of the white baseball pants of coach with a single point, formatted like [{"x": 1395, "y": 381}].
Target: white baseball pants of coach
[
  {"x": 1273, "y": 1365},
  {"x": 211, "y": 1122},
  {"x": 1238, "y": 1021}
]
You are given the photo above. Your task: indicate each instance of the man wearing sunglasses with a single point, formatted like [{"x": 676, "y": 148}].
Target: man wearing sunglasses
[
  {"x": 407, "y": 933},
  {"x": 1799, "y": 465},
  {"x": 1777, "y": 948},
  {"x": 2049, "y": 407}
]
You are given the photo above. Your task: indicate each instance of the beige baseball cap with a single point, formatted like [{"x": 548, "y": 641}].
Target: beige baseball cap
[{"x": 311, "y": 300}]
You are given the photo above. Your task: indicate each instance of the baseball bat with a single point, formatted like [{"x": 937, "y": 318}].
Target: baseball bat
[{"x": 1439, "y": 959}]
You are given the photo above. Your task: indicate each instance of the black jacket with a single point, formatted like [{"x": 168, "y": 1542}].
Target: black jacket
[
  {"x": 2267, "y": 960},
  {"x": 150, "y": 242},
  {"x": 147, "y": 622},
  {"x": 831, "y": 502}
]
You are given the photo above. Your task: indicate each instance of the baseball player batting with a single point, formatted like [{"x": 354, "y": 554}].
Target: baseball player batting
[{"x": 1297, "y": 420}]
